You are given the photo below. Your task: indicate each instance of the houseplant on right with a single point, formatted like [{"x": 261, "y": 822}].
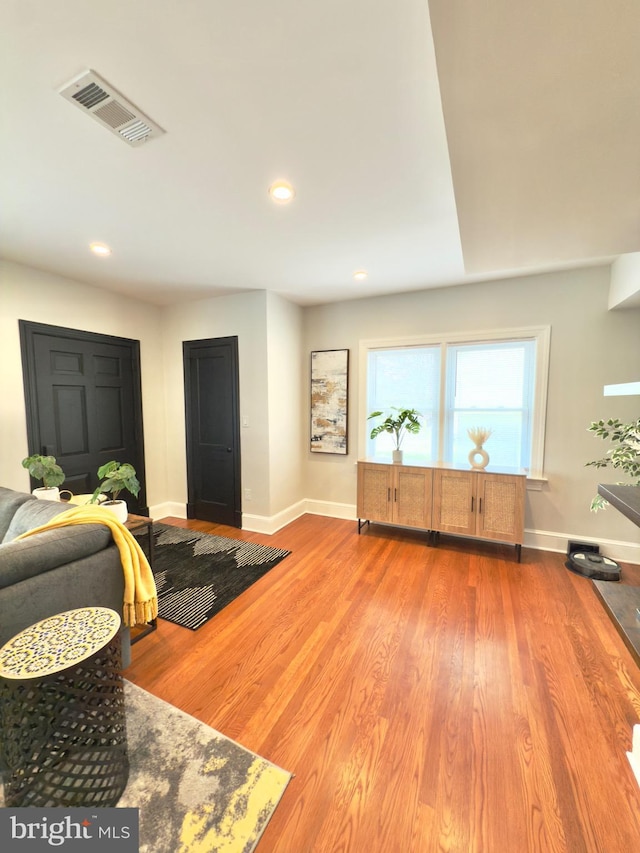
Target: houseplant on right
[
  {"x": 398, "y": 422},
  {"x": 46, "y": 469},
  {"x": 116, "y": 477},
  {"x": 624, "y": 456}
]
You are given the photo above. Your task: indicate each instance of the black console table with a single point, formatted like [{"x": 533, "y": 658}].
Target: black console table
[{"x": 621, "y": 600}]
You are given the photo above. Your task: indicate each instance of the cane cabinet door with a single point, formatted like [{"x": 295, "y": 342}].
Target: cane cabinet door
[
  {"x": 454, "y": 502},
  {"x": 374, "y": 491},
  {"x": 411, "y": 496},
  {"x": 500, "y": 507}
]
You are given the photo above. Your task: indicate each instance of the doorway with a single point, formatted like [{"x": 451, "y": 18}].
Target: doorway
[
  {"x": 83, "y": 402},
  {"x": 213, "y": 430}
]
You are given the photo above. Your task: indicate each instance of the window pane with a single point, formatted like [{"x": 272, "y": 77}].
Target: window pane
[
  {"x": 487, "y": 383},
  {"x": 490, "y": 385},
  {"x": 407, "y": 378},
  {"x": 504, "y": 445},
  {"x": 489, "y": 378}
]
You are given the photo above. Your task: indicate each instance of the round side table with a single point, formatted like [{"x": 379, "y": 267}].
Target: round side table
[{"x": 63, "y": 737}]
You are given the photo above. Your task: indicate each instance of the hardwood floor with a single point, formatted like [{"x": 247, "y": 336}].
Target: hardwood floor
[{"x": 426, "y": 699}]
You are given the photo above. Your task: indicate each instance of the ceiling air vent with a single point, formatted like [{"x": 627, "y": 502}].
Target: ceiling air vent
[{"x": 102, "y": 102}]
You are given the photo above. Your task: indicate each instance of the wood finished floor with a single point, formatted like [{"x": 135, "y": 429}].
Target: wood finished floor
[{"x": 426, "y": 699}]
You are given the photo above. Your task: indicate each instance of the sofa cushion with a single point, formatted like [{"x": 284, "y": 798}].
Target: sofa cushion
[
  {"x": 26, "y": 558},
  {"x": 33, "y": 514},
  {"x": 9, "y": 503}
]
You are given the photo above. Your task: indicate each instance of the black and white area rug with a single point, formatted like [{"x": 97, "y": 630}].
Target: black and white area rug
[{"x": 197, "y": 574}]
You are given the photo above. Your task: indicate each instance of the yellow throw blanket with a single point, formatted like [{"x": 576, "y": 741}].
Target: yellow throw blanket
[{"x": 140, "y": 596}]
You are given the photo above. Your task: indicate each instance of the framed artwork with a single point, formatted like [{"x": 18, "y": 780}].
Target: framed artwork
[{"x": 329, "y": 395}]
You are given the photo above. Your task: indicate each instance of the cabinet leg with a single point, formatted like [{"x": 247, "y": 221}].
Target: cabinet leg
[
  {"x": 361, "y": 523},
  {"x": 519, "y": 552}
]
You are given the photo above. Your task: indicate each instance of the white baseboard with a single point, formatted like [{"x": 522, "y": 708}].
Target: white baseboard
[
  {"x": 546, "y": 540},
  {"x": 266, "y": 524},
  {"x": 332, "y": 509},
  {"x": 634, "y": 755},
  {"x": 542, "y": 540},
  {"x": 169, "y": 508},
  {"x": 271, "y": 524}
]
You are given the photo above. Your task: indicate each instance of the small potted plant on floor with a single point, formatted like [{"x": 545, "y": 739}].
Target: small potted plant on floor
[
  {"x": 116, "y": 477},
  {"x": 46, "y": 469},
  {"x": 398, "y": 422}
]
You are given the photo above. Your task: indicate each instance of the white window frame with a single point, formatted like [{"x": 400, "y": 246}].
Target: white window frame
[{"x": 542, "y": 337}]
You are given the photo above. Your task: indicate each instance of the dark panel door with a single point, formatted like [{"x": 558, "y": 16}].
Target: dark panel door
[
  {"x": 84, "y": 403},
  {"x": 212, "y": 426}
]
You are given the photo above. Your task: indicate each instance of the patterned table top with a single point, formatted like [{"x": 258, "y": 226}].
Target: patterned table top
[{"x": 58, "y": 642}]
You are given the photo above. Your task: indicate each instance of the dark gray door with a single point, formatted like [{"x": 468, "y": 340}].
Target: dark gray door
[
  {"x": 83, "y": 400},
  {"x": 212, "y": 427}
]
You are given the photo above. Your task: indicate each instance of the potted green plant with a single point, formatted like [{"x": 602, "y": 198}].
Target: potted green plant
[
  {"x": 47, "y": 470},
  {"x": 116, "y": 477},
  {"x": 397, "y": 422},
  {"x": 623, "y": 456}
]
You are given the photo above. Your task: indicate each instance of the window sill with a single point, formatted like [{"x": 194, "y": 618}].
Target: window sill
[{"x": 535, "y": 482}]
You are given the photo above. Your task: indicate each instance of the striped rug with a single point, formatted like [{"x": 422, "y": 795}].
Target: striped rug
[{"x": 197, "y": 574}]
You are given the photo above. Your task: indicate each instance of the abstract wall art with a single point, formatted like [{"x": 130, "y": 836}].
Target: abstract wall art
[{"x": 329, "y": 396}]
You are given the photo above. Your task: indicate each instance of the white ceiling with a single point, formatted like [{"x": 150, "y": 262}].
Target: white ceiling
[{"x": 519, "y": 152}]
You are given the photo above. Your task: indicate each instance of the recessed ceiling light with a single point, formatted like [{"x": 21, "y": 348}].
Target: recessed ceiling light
[
  {"x": 281, "y": 191},
  {"x": 360, "y": 274},
  {"x": 100, "y": 249}
]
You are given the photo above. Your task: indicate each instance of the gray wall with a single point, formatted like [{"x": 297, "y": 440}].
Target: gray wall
[{"x": 590, "y": 347}]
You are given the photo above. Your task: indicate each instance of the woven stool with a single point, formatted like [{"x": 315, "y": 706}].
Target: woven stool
[{"x": 63, "y": 738}]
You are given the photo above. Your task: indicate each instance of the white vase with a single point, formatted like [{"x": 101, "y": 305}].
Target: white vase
[
  {"x": 481, "y": 463},
  {"x": 44, "y": 493},
  {"x": 118, "y": 508},
  {"x": 396, "y": 456}
]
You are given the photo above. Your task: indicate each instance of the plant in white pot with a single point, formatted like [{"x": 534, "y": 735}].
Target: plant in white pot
[
  {"x": 116, "y": 477},
  {"x": 398, "y": 422},
  {"x": 46, "y": 469}
]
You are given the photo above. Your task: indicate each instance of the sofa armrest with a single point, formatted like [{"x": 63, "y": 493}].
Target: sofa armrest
[
  {"x": 32, "y": 514},
  {"x": 95, "y": 581},
  {"x": 26, "y": 558},
  {"x": 10, "y": 502}
]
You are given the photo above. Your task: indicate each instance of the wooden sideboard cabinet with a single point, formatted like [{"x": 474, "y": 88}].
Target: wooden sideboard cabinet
[
  {"x": 444, "y": 500},
  {"x": 395, "y": 494}
]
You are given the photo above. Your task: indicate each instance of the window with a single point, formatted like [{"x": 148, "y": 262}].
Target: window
[
  {"x": 495, "y": 380},
  {"x": 397, "y": 375}
]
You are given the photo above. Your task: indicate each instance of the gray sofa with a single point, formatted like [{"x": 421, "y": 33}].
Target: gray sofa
[{"x": 56, "y": 570}]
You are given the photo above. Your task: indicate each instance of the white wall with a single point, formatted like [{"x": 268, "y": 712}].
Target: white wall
[
  {"x": 288, "y": 427},
  {"x": 590, "y": 347},
  {"x": 625, "y": 281},
  {"x": 271, "y": 372},
  {"x": 28, "y": 294},
  {"x": 269, "y": 331},
  {"x": 244, "y": 315}
]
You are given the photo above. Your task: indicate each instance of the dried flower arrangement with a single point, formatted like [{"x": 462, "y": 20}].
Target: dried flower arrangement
[{"x": 479, "y": 435}]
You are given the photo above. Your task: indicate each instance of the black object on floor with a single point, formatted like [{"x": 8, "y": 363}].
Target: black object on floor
[{"x": 594, "y": 566}]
